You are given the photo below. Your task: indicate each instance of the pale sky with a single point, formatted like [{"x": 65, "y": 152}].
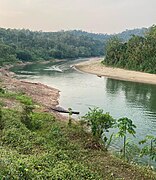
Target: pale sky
[{"x": 101, "y": 16}]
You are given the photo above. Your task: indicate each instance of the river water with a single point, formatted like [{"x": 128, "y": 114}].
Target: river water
[{"x": 80, "y": 91}]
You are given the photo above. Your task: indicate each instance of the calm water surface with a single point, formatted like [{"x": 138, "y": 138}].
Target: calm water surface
[{"x": 81, "y": 90}]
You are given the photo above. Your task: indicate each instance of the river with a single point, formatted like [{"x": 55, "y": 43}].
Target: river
[{"x": 80, "y": 91}]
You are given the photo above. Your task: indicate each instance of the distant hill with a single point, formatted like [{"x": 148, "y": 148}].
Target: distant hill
[
  {"x": 29, "y": 45},
  {"x": 125, "y": 35},
  {"x": 97, "y": 36}
]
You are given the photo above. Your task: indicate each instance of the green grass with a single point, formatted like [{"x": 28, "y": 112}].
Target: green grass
[
  {"x": 50, "y": 149},
  {"x": 43, "y": 153},
  {"x": 22, "y": 98}
]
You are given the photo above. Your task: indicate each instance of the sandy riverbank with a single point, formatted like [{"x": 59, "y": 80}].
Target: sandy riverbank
[{"x": 95, "y": 67}]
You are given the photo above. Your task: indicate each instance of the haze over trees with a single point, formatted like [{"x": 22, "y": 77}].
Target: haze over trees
[
  {"x": 26, "y": 45},
  {"x": 139, "y": 53}
]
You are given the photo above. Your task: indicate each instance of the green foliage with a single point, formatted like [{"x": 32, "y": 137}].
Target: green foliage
[
  {"x": 7, "y": 53},
  {"x": 26, "y": 45},
  {"x": 125, "y": 126},
  {"x": 49, "y": 149},
  {"x": 33, "y": 120},
  {"x": 99, "y": 123},
  {"x": 2, "y": 91},
  {"x": 26, "y": 117},
  {"x": 70, "y": 116},
  {"x": 1, "y": 119},
  {"x": 139, "y": 53},
  {"x": 24, "y": 55},
  {"x": 39, "y": 119},
  {"x": 149, "y": 148},
  {"x": 24, "y": 99},
  {"x": 45, "y": 153},
  {"x": 132, "y": 151}
]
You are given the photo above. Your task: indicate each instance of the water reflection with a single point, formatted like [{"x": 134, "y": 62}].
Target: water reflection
[{"x": 142, "y": 95}]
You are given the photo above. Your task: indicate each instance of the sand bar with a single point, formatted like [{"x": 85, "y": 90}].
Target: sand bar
[{"x": 94, "y": 66}]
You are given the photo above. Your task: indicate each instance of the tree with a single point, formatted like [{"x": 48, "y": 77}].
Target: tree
[
  {"x": 24, "y": 55},
  {"x": 125, "y": 126}
]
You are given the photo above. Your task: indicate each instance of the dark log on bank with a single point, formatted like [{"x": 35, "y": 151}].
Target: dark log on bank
[
  {"x": 99, "y": 76},
  {"x": 61, "y": 110}
]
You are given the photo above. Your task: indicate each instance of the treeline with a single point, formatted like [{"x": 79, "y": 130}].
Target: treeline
[
  {"x": 28, "y": 45},
  {"x": 139, "y": 53},
  {"x": 124, "y": 36},
  {"x": 127, "y": 34}
]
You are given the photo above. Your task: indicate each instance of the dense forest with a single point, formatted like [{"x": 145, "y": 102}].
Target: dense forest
[
  {"x": 124, "y": 36},
  {"x": 139, "y": 53},
  {"x": 27, "y": 45}
]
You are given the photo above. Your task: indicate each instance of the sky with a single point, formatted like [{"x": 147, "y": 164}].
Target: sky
[{"x": 99, "y": 16}]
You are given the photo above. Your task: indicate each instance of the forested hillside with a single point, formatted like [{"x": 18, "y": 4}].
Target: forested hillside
[
  {"x": 125, "y": 35},
  {"x": 27, "y": 45},
  {"x": 139, "y": 53}
]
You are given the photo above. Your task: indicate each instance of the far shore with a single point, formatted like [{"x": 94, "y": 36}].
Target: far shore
[{"x": 97, "y": 68}]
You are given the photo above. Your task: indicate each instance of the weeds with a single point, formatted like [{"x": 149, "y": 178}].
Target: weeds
[{"x": 37, "y": 146}]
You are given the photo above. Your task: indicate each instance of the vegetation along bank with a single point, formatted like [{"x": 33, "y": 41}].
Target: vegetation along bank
[{"x": 36, "y": 143}]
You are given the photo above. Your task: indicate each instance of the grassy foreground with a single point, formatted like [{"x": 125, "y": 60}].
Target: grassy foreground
[{"x": 48, "y": 148}]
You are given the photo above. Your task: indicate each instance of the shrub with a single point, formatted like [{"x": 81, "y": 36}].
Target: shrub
[
  {"x": 2, "y": 123},
  {"x": 149, "y": 148},
  {"x": 26, "y": 117},
  {"x": 99, "y": 123},
  {"x": 2, "y": 91},
  {"x": 24, "y": 99}
]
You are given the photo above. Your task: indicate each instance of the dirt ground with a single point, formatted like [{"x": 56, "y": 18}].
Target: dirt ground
[{"x": 42, "y": 94}]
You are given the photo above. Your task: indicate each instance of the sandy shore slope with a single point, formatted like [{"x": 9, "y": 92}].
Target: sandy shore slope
[{"x": 95, "y": 67}]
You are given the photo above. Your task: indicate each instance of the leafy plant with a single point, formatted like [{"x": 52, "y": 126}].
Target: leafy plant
[
  {"x": 24, "y": 99},
  {"x": 2, "y": 91},
  {"x": 1, "y": 119},
  {"x": 100, "y": 123},
  {"x": 125, "y": 126},
  {"x": 70, "y": 118},
  {"x": 26, "y": 117},
  {"x": 150, "y": 147},
  {"x": 132, "y": 151}
]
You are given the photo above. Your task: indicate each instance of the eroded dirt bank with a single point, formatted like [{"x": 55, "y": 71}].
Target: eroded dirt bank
[{"x": 40, "y": 93}]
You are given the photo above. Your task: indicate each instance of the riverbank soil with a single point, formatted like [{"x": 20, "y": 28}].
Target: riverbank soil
[
  {"x": 40, "y": 93},
  {"x": 97, "y": 68}
]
